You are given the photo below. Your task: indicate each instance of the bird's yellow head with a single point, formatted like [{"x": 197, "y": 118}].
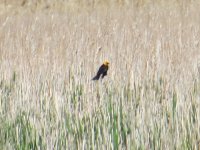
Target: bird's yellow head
[{"x": 106, "y": 63}]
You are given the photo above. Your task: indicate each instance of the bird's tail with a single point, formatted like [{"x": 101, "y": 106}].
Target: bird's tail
[{"x": 95, "y": 78}]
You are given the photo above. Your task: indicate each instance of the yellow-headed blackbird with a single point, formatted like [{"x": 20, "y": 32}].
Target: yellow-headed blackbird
[{"x": 102, "y": 71}]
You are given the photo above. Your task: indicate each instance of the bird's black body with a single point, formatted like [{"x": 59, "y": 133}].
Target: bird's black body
[{"x": 101, "y": 72}]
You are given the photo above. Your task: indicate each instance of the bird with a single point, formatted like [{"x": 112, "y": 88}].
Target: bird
[{"x": 102, "y": 71}]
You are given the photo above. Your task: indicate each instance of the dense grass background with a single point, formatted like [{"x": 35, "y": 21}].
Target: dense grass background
[{"x": 48, "y": 55}]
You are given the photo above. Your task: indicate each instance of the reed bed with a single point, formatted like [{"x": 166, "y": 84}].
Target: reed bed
[{"x": 150, "y": 98}]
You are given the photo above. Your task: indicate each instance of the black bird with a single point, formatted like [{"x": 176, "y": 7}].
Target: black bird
[{"x": 102, "y": 71}]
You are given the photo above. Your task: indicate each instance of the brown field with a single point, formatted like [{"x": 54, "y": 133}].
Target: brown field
[{"x": 50, "y": 50}]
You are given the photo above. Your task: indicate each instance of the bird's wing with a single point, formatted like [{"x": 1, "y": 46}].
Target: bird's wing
[
  {"x": 104, "y": 71},
  {"x": 101, "y": 70}
]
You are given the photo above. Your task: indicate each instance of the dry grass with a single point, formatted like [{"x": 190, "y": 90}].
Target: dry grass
[{"x": 149, "y": 100}]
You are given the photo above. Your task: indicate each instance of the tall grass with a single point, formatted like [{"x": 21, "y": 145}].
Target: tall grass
[{"x": 149, "y": 100}]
